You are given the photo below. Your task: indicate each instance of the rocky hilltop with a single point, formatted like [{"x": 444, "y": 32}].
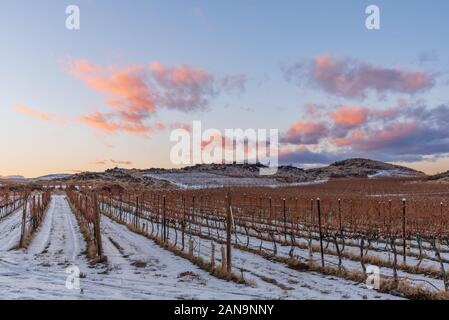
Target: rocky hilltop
[
  {"x": 213, "y": 175},
  {"x": 441, "y": 177},
  {"x": 362, "y": 168}
]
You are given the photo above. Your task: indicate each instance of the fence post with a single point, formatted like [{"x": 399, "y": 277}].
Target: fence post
[
  {"x": 191, "y": 248},
  {"x": 136, "y": 223},
  {"x": 164, "y": 228},
  {"x": 212, "y": 255},
  {"x": 339, "y": 218},
  {"x": 97, "y": 229},
  {"x": 271, "y": 213},
  {"x": 312, "y": 218},
  {"x": 121, "y": 207},
  {"x": 183, "y": 220},
  {"x": 228, "y": 233},
  {"x": 193, "y": 211},
  {"x": 403, "y": 232},
  {"x": 24, "y": 219},
  {"x": 321, "y": 231},
  {"x": 285, "y": 218},
  {"x": 223, "y": 259}
]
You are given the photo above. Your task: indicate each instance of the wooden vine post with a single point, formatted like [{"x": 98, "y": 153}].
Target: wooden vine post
[
  {"x": 97, "y": 230},
  {"x": 340, "y": 224},
  {"x": 136, "y": 222},
  {"x": 24, "y": 220},
  {"x": 183, "y": 221},
  {"x": 284, "y": 212},
  {"x": 321, "y": 231},
  {"x": 271, "y": 213},
  {"x": 164, "y": 221},
  {"x": 403, "y": 232},
  {"x": 121, "y": 207},
  {"x": 228, "y": 233}
]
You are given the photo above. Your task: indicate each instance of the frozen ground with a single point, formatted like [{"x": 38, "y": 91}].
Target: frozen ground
[
  {"x": 139, "y": 269},
  {"x": 202, "y": 180}
]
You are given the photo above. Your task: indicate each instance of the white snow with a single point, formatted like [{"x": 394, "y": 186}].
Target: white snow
[
  {"x": 204, "y": 180},
  {"x": 391, "y": 173},
  {"x": 139, "y": 269}
]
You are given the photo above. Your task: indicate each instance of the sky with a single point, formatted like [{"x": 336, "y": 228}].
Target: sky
[{"x": 110, "y": 93}]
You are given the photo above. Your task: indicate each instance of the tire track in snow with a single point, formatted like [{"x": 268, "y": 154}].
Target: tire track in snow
[{"x": 57, "y": 240}]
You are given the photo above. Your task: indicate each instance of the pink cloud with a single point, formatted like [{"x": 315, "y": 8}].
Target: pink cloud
[
  {"x": 122, "y": 163},
  {"x": 125, "y": 87},
  {"x": 306, "y": 132},
  {"x": 41, "y": 116},
  {"x": 112, "y": 161},
  {"x": 184, "y": 87},
  {"x": 137, "y": 92},
  {"x": 388, "y": 136},
  {"x": 99, "y": 162},
  {"x": 350, "y": 117},
  {"x": 351, "y": 78},
  {"x": 105, "y": 122}
]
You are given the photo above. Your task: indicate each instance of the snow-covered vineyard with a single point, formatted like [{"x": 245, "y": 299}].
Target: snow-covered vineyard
[{"x": 137, "y": 267}]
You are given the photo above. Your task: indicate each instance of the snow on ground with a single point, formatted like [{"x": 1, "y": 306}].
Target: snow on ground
[
  {"x": 271, "y": 276},
  {"x": 139, "y": 269},
  {"x": 351, "y": 246},
  {"x": 203, "y": 180},
  {"x": 391, "y": 173}
]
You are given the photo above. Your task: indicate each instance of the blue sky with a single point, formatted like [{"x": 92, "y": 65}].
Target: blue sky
[{"x": 255, "y": 39}]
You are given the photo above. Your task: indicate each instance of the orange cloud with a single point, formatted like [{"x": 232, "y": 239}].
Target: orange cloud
[
  {"x": 350, "y": 117},
  {"x": 41, "y": 116},
  {"x": 124, "y": 163},
  {"x": 104, "y": 122},
  {"x": 112, "y": 161},
  {"x": 136, "y": 92},
  {"x": 306, "y": 132},
  {"x": 99, "y": 162},
  {"x": 355, "y": 135},
  {"x": 126, "y": 88}
]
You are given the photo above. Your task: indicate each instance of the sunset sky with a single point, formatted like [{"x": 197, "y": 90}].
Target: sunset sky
[{"x": 109, "y": 94}]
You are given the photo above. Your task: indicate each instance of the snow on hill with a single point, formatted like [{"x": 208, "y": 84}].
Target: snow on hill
[
  {"x": 22, "y": 179},
  {"x": 392, "y": 173},
  {"x": 51, "y": 177},
  {"x": 218, "y": 175},
  {"x": 363, "y": 168},
  {"x": 441, "y": 177},
  {"x": 200, "y": 180}
]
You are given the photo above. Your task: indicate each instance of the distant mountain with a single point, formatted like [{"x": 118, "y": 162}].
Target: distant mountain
[
  {"x": 49, "y": 177},
  {"x": 240, "y": 170},
  {"x": 118, "y": 176},
  {"x": 441, "y": 177},
  {"x": 15, "y": 178},
  {"x": 363, "y": 168},
  {"x": 235, "y": 174},
  {"x": 351, "y": 168}
]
